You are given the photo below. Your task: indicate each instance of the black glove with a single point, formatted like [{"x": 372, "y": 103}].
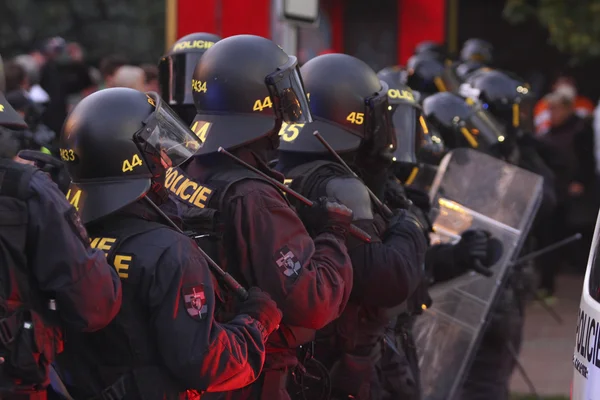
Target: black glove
[
  {"x": 474, "y": 246},
  {"x": 395, "y": 196},
  {"x": 326, "y": 216},
  {"x": 50, "y": 165},
  {"x": 259, "y": 306}
]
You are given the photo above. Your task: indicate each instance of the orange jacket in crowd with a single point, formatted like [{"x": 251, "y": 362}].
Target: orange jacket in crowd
[{"x": 583, "y": 108}]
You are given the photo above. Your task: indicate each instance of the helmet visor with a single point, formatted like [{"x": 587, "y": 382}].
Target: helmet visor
[
  {"x": 287, "y": 93},
  {"x": 522, "y": 113},
  {"x": 167, "y": 134},
  {"x": 175, "y": 74},
  {"x": 378, "y": 124},
  {"x": 480, "y": 129},
  {"x": 404, "y": 120}
]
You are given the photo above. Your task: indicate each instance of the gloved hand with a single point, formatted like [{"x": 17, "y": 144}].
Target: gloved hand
[
  {"x": 326, "y": 216},
  {"x": 395, "y": 196},
  {"x": 259, "y": 306},
  {"x": 52, "y": 166},
  {"x": 474, "y": 245}
]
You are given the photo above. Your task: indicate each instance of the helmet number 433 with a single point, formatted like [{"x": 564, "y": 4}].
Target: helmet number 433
[{"x": 356, "y": 118}]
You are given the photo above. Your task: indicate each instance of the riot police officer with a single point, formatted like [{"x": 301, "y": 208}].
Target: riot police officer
[
  {"x": 511, "y": 102},
  {"x": 431, "y": 48},
  {"x": 245, "y": 87},
  {"x": 51, "y": 276},
  {"x": 464, "y": 125},
  {"x": 118, "y": 145},
  {"x": 175, "y": 71},
  {"x": 414, "y": 137},
  {"x": 424, "y": 74},
  {"x": 350, "y": 107},
  {"x": 478, "y": 50}
]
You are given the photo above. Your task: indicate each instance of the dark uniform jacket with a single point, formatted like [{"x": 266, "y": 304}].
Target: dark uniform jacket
[
  {"x": 50, "y": 276},
  {"x": 386, "y": 273},
  {"x": 57, "y": 252},
  {"x": 165, "y": 339},
  {"x": 265, "y": 244}
]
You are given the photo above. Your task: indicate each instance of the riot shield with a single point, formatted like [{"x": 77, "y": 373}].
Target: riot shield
[{"x": 470, "y": 191}]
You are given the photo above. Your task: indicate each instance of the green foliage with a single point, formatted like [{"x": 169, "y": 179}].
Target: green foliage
[
  {"x": 134, "y": 28},
  {"x": 573, "y": 26}
]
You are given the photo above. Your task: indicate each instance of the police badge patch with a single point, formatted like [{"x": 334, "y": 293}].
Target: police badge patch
[
  {"x": 195, "y": 301},
  {"x": 288, "y": 262}
]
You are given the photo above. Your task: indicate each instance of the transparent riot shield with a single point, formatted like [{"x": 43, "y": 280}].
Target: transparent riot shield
[{"x": 470, "y": 191}]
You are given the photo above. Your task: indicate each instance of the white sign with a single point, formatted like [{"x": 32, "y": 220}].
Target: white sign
[{"x": 301, "y": 10}]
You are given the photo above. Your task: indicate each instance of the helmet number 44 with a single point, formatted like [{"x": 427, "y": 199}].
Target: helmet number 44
[
  {"x": 289, "y": 132},
  {"x": 260, "y": 105},
  {"x": 129, "y": 165},
  {"x": 356, "y": 118}
]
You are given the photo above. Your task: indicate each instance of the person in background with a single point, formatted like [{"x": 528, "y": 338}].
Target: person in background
[
  {"x": 16, "y": 77},
  {"x": 108, "y": 66},
  {"x": 32, "y": 71},
  {"x": 131, "y": 77},
  {"x": 565, "y": 85},
  {"x": 570, "y": 141},
  {"x": 151, "y": 77}
]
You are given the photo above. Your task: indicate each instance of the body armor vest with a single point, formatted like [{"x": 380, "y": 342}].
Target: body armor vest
[{"x": 123, "y": 362}]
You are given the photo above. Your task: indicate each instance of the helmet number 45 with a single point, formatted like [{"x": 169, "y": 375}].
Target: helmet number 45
[
  {"x": 289, "y": 132},
  {"x": 356, "y": 118}
]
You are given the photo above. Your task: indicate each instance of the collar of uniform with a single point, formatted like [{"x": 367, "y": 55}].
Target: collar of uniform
[
  {"x": 141, "y": 210},
  {"x": 255, "y": 160}
]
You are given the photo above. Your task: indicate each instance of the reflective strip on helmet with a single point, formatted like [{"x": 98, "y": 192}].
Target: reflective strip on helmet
[
  {"x": 439, "y": 84},
  {"x": 515, "y": 116},
  {"x": 412, "y": 176},
  {"x": 472, "y": 141}
]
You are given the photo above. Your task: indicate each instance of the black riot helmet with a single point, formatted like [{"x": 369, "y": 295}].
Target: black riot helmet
[
  {"x": 117, "y": 144},
  {"x": 415, "y": 139},
  {"x": 506, "y": 96},
  {"x": 424, "y": 73},
  {"x": 433, "y": 48},
  {"x": 175, "y": 71},
  {"x": 244, "y": 88},
  {"x": 477, "y": 50},
  {"x": 349, "y": 105},
  {"x": 462, "y": 123}
]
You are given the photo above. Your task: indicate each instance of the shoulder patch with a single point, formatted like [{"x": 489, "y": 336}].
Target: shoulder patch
[
  {"x": 195, "y": 301},
  {"x": 74, "y": 220},
  {"x": 352, "y": 193},
  {"x": 287, "y": 262},
  {"x": 184, "y": 189}
]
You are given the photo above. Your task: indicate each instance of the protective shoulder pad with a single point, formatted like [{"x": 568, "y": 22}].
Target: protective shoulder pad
[
  {"x": 352, "y": 193},
  {"x": 15, "y": 178}
]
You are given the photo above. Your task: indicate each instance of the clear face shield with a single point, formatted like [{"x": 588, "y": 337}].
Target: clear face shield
[
  {"x": 480, "y": 129},
  {"x": 287, "y": 94},
  {"x": 167, "y": 135}
]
